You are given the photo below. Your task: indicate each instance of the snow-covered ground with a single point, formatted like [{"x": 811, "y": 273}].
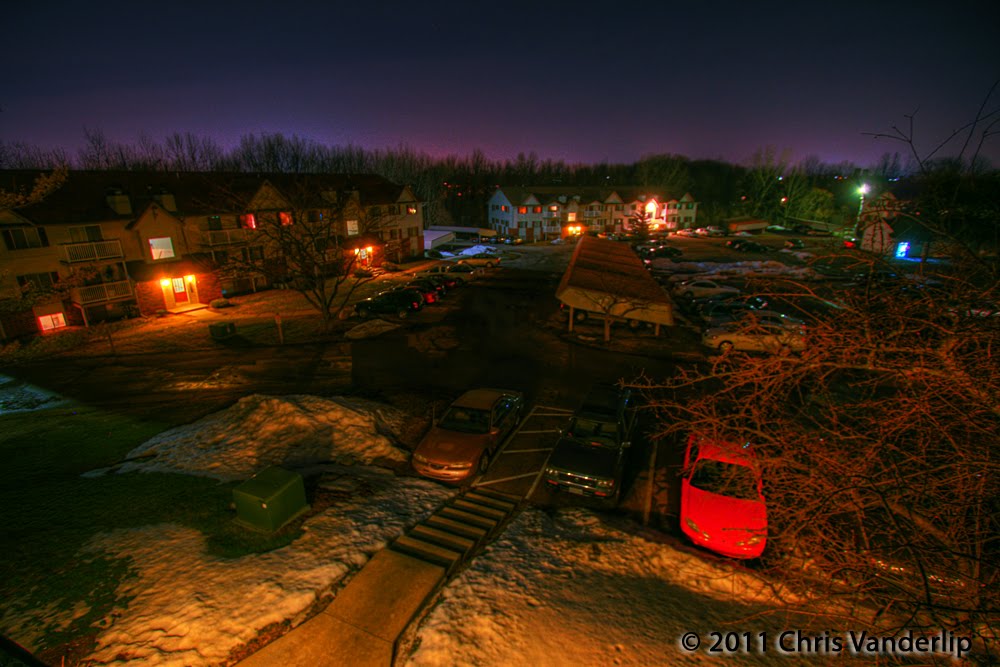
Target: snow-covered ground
[{"x": 571, "y": 587}]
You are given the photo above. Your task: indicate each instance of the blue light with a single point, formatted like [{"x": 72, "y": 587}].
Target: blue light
[{"x": 902, "y": 249}]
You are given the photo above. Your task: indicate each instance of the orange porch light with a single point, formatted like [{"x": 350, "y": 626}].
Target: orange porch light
[
  {"x": 165, "y": 282},
  {"x": 190, "y": 279}
]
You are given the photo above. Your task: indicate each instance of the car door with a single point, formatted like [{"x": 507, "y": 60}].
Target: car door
[{"x": 503, "y": 417}]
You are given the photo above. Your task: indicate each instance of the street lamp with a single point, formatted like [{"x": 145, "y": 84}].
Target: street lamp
[{"x": 862, "y": 191}]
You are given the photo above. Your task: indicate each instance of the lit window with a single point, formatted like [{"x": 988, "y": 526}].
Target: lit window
[
  {"x": 248, "y": 221},
  {"x": 522, "y": 209},
  {"x": 571, "y": 217},
  {"x": 285, "y": 219},
  {"x": 553, "y": 208},
  {"x": 536, "y": 209},
  {"x": 50, "y": 322},
  {"x": 411, "y": 210},
  {"x": 162, "y": 248},
  {"x": 504, "y": 208},
  {"x": 352, "y": 228}
]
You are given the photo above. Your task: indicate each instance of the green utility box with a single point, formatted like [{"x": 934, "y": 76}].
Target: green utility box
[
  {"x": 222, "y": 330},
  {"x": 270, "y": 499}
]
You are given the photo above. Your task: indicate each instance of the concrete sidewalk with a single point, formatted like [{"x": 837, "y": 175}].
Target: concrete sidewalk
[{"x": 363, "y": 623}]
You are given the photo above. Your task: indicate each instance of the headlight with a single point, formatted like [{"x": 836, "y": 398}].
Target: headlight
[
  {"x": 551, "y": 472},
  {"x": 605, "y": 483},
  {"x": 461, "y": 466},
  {"x": 693, "y": 526},
  {"x": 749, "y": 542}
]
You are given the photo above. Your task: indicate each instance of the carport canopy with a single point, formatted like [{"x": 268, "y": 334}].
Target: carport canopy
[{"x": 608, "y": 279}]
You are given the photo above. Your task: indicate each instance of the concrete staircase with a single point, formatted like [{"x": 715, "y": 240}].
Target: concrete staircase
[{"x": 457, "y": 531}]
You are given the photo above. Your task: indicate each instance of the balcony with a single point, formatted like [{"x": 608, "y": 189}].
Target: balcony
[
  {"x": 102, "y": 292},
  {"x": 94, "y": 251},
  {"x": 220, "y": 237}
]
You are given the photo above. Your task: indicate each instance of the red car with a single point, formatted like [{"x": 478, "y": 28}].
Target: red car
[{"x": 722, "y": 499}]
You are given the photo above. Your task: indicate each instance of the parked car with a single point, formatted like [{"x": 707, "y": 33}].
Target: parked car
[
  {"x": 463, "y": 271},
  {"x": 483, "y": 259},
  {"x": 709, "y": 309},
  {"x": 399, "y": 302},
  {"x": 513, "y": 240},
  {"x": 752, "y": 246},
  {"x": 759, "y": 337},
  {"x": 747, "y": 316},
  {"x": 722, "y": 498},
  {"x": 736, "y": 243},
  {"x": 702, "y": 288},
  {"x": 715, "y": 231},
  {"x": 468, "y": 434},
  {"x": 686, "y": 232},
  {"x": 589, "y": 458},
  {"x": 650, "y": 252},
  {"x": 427, "y": 290},
  {"x": 794, "y": 244},
  {"x": 453, "y": 279},
  {"x": 443, "y": 282}
]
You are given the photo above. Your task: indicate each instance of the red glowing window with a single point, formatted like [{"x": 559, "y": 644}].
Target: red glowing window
[
  {"x": 248, "y": 221},
  {"x": 411, "y": 210},
  {"x": 536, "y": 209},
  {"x": 285, "y": 219},
  {"x": 522, "y": 209}
]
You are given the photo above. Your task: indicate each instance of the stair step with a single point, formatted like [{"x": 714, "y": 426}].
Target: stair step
[
  {"x": 476, "y": 508},
  {"x": 459, "y": 528},
  {"x": 496, "y": 503},
  {"x": 456, "y": 514},
  {"x": 499, "y": 495},
  {"x": 443, "y": 538},
  {"x": 432, "y": 553}
]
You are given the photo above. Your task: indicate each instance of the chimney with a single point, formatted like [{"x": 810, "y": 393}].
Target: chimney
[{"x": 119, "y": 202}]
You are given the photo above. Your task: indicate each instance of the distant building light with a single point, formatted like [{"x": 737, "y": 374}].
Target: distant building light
[{"x": 902, "y": 249}]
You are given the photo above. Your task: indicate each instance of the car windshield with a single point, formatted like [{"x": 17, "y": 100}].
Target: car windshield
[
  {"x": 467, "y": 420},
  {"x": 724, "y": 479},
  {"x": 594, "y": 432}
]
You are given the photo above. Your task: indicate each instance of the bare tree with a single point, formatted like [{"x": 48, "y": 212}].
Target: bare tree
[{"x": 311, "y": 238}]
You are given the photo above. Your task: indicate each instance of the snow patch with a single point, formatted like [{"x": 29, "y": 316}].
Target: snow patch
[{"x": 261, "y": 431}]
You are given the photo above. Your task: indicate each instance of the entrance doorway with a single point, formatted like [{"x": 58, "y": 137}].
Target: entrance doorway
[{"x": 179, "y": 292}]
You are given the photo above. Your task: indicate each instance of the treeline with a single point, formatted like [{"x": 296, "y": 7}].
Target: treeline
[{"x": 456, "y": 188}]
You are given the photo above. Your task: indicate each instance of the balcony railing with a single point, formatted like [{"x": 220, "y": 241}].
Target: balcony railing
[
  {"x": 103, "y": 292},
  {"x": 93, "y": 251},
  {"x": 217, "y": 237}
]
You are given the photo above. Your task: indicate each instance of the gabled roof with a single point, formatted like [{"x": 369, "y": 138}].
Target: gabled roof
[
  {"x": 609, "y": 194},
  {"x": 83, "y": 197}
]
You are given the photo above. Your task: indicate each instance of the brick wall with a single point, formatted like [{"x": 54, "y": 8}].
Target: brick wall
[
  {"x": 209, "y": 287},
  {"x": 149, "y": 297}
]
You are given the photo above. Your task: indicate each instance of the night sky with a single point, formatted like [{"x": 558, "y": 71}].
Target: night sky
[{"x": 580, "y": 82}]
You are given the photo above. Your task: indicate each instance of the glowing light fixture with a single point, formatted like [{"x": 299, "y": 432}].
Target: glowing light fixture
[
  {"x": 165, "y": 282},
  {"x": 190, "y": 279}
]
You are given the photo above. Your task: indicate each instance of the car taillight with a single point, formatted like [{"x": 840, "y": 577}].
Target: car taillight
[{"x": 415, "y": 305}]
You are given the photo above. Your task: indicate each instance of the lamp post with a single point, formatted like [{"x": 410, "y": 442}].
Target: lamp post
[{"x": 862, "y": 191}]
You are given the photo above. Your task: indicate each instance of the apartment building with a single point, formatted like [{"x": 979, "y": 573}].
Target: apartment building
[
  {"x": 544, "y": 213},
  {"x": 108, "y": 245}
]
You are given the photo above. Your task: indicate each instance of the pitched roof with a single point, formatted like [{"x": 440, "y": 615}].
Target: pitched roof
[
  {"x": 83, "y": 197},
  {"x": 609, "y": 266},
  {"x": 553, "y": 193}
]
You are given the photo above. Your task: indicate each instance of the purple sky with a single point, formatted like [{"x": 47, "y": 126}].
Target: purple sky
[{"x": 580, "y": 82}]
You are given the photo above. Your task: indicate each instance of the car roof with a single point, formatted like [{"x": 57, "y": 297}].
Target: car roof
[
  {"x": 480, "y": 399},
  {"x": 718, "y": 450}
]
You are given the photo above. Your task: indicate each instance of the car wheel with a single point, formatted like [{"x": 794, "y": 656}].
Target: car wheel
[
  {"x": 484, "y": 463},
  {"x": 364, "y": 313},
  {"x": 402, "y": 314},
  {"x": 725, "y": 347},
  {"x": 580, "y": 316}
]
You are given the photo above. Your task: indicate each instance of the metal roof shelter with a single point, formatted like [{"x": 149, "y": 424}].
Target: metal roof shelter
[{"x": 608, "y": 279}]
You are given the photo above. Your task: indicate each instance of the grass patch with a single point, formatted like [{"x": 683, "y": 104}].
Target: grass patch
[{"x": 51, "y": 512}]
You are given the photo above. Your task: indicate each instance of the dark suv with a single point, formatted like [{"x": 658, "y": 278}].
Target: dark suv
[
  {"x": 398, "y": 302},
  {"x": 589, "y": 457}
]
